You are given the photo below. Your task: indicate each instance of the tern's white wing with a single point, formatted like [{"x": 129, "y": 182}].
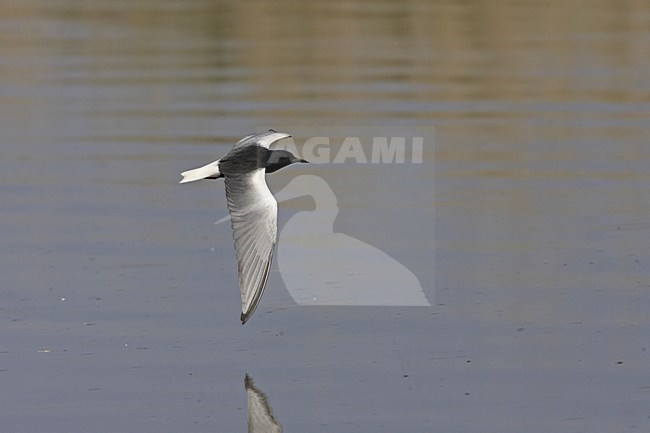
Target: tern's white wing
[
  {"x": 254, "y": 217},
  {"x": 260, "y": 415},
  {"x": 264, "y": 139}
]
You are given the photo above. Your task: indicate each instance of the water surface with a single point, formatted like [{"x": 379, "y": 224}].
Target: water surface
[{"x": 118, "y": 295}]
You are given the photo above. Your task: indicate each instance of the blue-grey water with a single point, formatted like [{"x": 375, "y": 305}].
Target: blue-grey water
[{"x": 119, "y": 303}]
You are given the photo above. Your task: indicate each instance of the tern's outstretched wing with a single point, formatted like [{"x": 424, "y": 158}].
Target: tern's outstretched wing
[
  {"x": 264, "y": 139},
  {"x": 254, "y": 217}
]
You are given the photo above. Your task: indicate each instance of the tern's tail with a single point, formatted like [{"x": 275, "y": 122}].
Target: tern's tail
[{"x": 210, "y": 171}]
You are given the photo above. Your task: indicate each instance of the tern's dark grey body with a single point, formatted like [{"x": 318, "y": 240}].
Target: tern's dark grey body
[{"x": 247, "y": 159}]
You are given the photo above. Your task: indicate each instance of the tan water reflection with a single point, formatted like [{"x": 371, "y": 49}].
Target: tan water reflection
[{"x": 317, "y": 56}]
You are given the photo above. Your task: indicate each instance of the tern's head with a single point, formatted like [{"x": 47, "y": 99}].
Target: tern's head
[{"x": 279, "y": 159}]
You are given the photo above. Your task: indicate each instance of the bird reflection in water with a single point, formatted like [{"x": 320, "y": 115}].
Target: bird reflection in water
[{"x": 260, "y": 414}]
